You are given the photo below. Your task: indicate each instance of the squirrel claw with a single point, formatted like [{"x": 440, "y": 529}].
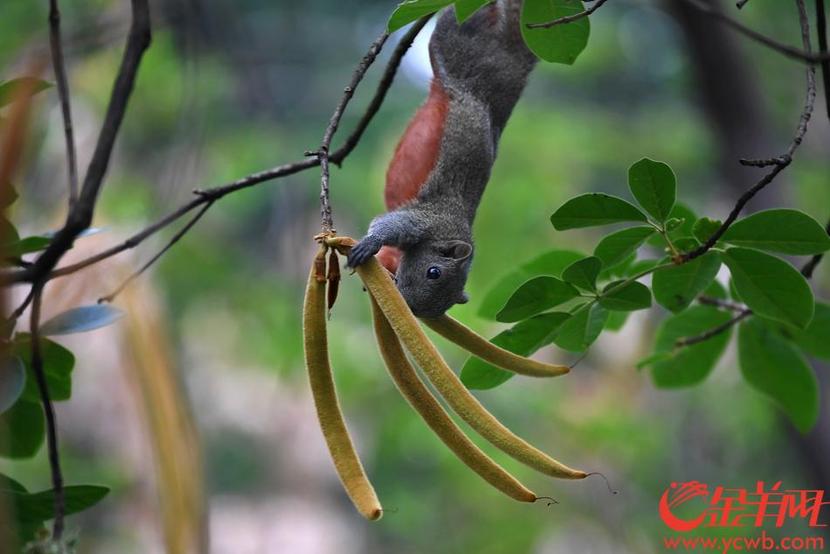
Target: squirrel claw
[{"x": 362, "y": 251}]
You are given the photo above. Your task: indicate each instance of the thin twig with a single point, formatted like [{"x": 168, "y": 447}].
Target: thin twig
[
  {"x": 23, "y": 305},
  {"x": 567, "y": 18},
  {"x": 56, "y": 45},
  {"x": 159, "y": 254},
  {"x": 718, "y": 303},
  {"x": 80, "y": 216},
  {"x": 49, "y": 412},
  {"x": 334, "y": 122},
  {"x": 383, "y": 87},
  {"x": 212, "y": 194},
  {"x": 821, "y": 29},
  {"x": 723, "y": 327},
  {"x": 780, "y": 163},
  {"x": 743, "y": 311},
  {"x": 804, "y": 55}
]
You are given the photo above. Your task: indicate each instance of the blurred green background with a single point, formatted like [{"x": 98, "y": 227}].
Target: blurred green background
[{"x": 229, "y": 88}]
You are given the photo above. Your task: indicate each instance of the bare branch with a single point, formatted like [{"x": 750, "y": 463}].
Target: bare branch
[
  {"x": 567, "y": 18},
  {"x": 49, "y": 412},
  {"x": 715, "y": 331},
  {"x": 323, "y": 153},
  {"x": 718, "y": 303},
  {"x": 56, "y": 45},
  {"x": 780, "y": 163},
  {"x": 380, "y": 94},
  {"x": 80, "y": 216},
  {"x": 210, "y": 195},
  {"x": 805, "y": 55},
  {"x": 821, "y": 29},
  {"x": 159, "y": 254}
]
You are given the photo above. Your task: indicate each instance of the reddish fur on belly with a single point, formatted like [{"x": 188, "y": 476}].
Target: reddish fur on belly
[{"x": 414, "y": 158}]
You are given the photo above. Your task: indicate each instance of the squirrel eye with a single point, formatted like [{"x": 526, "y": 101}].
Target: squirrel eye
[{"x": 433, "y": 272}]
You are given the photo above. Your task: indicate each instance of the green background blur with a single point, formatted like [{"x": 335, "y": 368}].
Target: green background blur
[{"x": 229, "y": 88}]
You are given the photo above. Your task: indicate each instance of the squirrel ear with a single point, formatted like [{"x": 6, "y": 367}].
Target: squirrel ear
[{"x": 457, "y": 249}]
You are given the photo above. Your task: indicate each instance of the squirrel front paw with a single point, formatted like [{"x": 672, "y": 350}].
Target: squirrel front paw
[{"x": 363, "y": 250}]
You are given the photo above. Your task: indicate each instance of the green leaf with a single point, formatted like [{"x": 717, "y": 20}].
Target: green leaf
[
  {"x": 465, "y": 8},
  {"x": 26, "y": 246},
  {"x": 815, "y": 339},
  {"x": 560, "y": 43},
  {"x": 770, "y": 286},
  {"x": 410, "y": 10},
  {"x": 616, "y": 320},
  {"x": 617, "y": 246},
  {"x": 715, "y": 290},
  {"x": 9, "y": 89},
  {"x": 12, "y": 382},
  {"x": 550, "y": 263},
  {"x": 704, "y": 228},
  {"x": 625, "y": 297},
  {"x": 534, "y": 296},
  {"x": 593, "y": 209},
  {"x": 40, "y": 506},
  {"x": 58, "y": 363},
  {"x": 654, "y": 186},
  {"x": 524, "y": 338},
  {"x": 682, "y": 229},
  {"x": 582, "y": 329},
  {"x": 688, "y": 365},
  {"x": 22, "y": 429},
  {"x": 81, "y": 319},
  {"x": 32, "y": 510},
  {"x": 583, "y": 273},
  {"x": 780, "y": 230},
  {"x": 773, "y": 366},
  {"x": 677, "y": 286}
]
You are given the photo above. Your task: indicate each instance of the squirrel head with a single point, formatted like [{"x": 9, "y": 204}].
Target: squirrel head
[{"x": 432, "y": 275}]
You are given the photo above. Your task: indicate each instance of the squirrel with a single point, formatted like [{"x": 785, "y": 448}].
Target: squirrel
[{"x": 442, "y": 163}]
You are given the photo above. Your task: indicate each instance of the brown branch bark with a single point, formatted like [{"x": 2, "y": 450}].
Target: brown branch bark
[{"x": 56, "y": 45}]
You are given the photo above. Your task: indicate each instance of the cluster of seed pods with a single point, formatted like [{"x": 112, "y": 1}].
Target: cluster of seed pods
[{"x": 398, "y": 333}]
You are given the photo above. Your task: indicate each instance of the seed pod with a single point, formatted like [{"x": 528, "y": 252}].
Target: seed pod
[
  {"x": 421, "y": 399},
  {"x": 394, "y": 307},
  {"x": 480, "y": 347},
  {"x": 340, "y": 445},
  {"x": 333, "y": 279}
]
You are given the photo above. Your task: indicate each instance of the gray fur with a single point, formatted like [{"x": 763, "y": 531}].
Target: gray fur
[{"x": 483, "y": 68}]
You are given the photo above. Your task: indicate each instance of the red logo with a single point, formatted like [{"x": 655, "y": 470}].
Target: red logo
[
  {"x": 676, "y": 495},
  {"x": 741, "y": 507}
]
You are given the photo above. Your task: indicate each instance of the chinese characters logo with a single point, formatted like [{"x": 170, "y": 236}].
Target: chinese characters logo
[{"x": 740, "y": 507}]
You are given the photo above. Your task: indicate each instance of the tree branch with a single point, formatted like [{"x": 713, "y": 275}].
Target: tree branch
[
  {"x": 804, "y": 55},
  {"x": 323, "y": 153},
  {"x": 821, "y": 29},
  {"x": 715, "y": 331},
  {"x": 778, "y": 164},
  {"x": 159, "y": 254},
  {"x": 567, "y": 18},
  {"x": 56, "y": 45},
  {"x": 49, "y": 412},
  {"x": 80, "y": 216},
  {"x": 205, "y": 196}
]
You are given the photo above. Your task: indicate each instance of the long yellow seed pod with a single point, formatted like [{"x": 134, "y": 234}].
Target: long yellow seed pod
[
  {"x": 381, "y": 287},
  {"x": 480, "y": 347},
  {"x": 340, "y": 445},
  {"x": 433, "y": 413}
]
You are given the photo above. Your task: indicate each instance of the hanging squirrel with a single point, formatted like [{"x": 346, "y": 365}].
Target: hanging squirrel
[{"x": 442, "y": 163}]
